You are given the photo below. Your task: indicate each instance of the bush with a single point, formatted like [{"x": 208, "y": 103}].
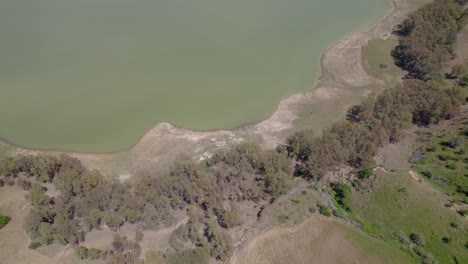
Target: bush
[
  {"x": 451, "y": 166},
  {"x": 81, "y": 252},
  {"x": 339, "y": 213},
  {"x": 283, "y": 218},
  {"x": 366, "y": 171},
  {"x": 464, "y": 82},
  {"x": 462, "y": 212},
  {"x": 4, "y": 220},
  {"x": 428, "y": 174},
  {"x": 446, "y": 240},
  {"x": 342, "y": 193},
  {"x": 230, "y": 218},
  {"x": 415, "y": 238},
  {"x": 454, "y": 142},
  {"x": 296, "y": 201},
  {"x": 34, "y": 245},
  {"x": 323, "y": 209},
  {"x": 445, "y": 157}
]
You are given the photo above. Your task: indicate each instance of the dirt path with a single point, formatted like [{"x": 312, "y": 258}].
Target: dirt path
[{"x": 414, "y": 175}]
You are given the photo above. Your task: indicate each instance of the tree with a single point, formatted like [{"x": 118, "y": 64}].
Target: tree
[
  {"x": 119, "y": 243},
  {"x": 220, "y": 243},
  {"x": 342, "y": 192},
  {"x": 366, "y": 171},
  {"x": 230, "y": 218}
]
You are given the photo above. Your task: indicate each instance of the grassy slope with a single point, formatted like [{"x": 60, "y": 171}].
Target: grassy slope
[
  {"x": 398, "y": 203},
  {"x": 446, "y": 167}
]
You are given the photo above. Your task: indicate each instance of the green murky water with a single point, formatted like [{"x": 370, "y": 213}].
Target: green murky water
[{"x": 95, "y": 75}]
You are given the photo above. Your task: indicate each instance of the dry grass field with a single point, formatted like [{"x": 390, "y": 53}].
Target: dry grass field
[{"x": 319, "y": 240}]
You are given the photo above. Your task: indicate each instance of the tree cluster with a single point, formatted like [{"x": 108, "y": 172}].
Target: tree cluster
[
  {"x": 428, "y": 38},
  {"x": 68, "y": 200}
]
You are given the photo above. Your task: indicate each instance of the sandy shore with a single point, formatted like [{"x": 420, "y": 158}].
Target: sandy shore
[{"x": 341, "y": 68}]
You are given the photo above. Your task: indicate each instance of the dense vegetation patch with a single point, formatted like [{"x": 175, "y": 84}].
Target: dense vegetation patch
[
  {"x": 381, "y": 118},
  {"x": 428, "y": 36},
  {"x": 85, "y": 200}
]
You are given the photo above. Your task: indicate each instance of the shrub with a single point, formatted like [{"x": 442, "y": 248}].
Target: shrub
[
  {"x": 445, "y": 157},
  {"x": 464, "y": 82},
  {"x": 339, "y": 213},
  {"x": 230, "y": 218},
  {"x": 403, "y": 190},
  {"x": 34, "y": 245},
  {"x": 416, "y": 239},
  {"x": 4, "y": 220},
  {"x": 283, "y": 218},
  {"x": 451, "y": 166},
  {"x": 428, "y": 174},
  {"x": 462, "y": 212},
  {"x": 446, "y": 240},
  {"x": 342, "y": 193},
  {"x": 296, "y": 201},
  {"x": 94, "y": 253},
  {"x": 454, "y": 142},
  {"x": 366, "y": 171},
  {"x": 323, "y": 210},
  {"x": 81, "y": 252}
]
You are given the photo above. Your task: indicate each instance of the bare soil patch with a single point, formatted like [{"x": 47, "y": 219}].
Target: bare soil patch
[{"x": 13, "y": 240}]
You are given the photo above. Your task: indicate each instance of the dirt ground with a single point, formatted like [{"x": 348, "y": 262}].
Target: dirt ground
[{"x": 13, "y": 240}]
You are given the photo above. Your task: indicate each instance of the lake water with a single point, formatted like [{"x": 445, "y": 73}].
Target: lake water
[{"x": 95, "y": 75}]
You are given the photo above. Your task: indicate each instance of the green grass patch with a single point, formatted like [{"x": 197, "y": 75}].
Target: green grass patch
[
  {"x": 378, "y": 60},
  {"x": 295, "y": 201},
  {"x": 4, "y": 220},
  {"x": 445, "y": 163},
  {"x": 416, "y": 217}
]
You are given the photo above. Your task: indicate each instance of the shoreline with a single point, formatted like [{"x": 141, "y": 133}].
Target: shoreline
[
  {"x": 315, "y": 84},
  {"x": 335, "y": 72}
]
